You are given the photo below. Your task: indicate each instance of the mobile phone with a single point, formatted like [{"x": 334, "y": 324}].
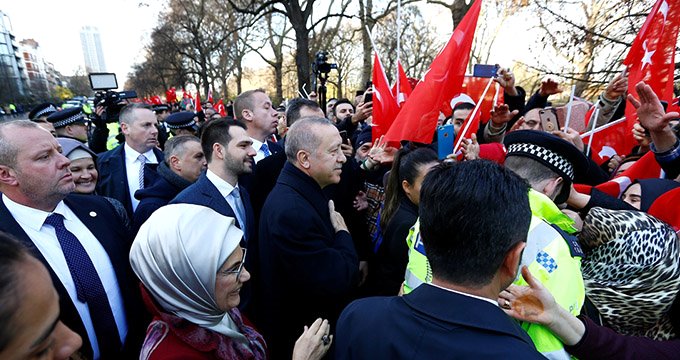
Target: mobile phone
[
  {"x": 548, "y": 120},
  {"x": 445, "y": 137},
  {"x": 485, "y": 71},
  {"x": 343, "y": 135},
  {"x": 368, "y": 97}
]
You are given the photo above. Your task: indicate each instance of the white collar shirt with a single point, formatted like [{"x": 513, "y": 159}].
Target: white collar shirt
[{"x": 132, "y": 166}]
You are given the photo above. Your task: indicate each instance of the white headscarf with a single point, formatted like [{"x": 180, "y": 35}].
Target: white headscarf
[{"x": 177, "y": 254}]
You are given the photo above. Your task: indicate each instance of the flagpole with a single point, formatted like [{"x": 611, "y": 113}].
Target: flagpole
[
  {"x": 474, "y": 113},
  {"x": 398, "y": 47},
  {"x": 571, "y": 102},
  {"x": 603, "y": 127},
  {"x": 594, "y": 120}
]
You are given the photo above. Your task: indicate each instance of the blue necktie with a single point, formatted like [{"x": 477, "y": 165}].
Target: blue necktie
[
  {"x": 240, "y": 211},
  {"x": 89, "y": 287},
  {"x": 265, "y": 149}
]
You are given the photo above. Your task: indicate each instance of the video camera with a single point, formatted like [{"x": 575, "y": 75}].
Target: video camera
[
  {"x": 321, "y": 64},
  {"x": 103, "y": 85}
]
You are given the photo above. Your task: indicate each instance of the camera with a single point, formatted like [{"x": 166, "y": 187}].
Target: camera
[
  {"x": 321, "y": 64},
  {"x": 103, "y": 85}
]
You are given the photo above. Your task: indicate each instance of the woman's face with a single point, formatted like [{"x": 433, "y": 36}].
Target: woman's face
[
  {"x": 633, "y": 195},
  {"x": 413, "y": 190},
  {"x": 84, "y": 175},
  {"x": 229, "y": 281}
]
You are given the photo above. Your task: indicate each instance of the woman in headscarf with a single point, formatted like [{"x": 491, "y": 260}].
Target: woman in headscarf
[{"x": 192, "y": 275}]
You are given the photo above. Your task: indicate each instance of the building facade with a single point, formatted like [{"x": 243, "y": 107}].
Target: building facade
[
  {"x": 92, "y": 49},
  {"x": 13, "y": 80}
]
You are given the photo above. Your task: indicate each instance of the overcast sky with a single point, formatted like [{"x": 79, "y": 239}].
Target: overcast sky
[{"x": 124, "y": 26}]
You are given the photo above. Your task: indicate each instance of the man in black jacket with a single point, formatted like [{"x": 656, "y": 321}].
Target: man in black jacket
[{"x": 309, "y": 266}]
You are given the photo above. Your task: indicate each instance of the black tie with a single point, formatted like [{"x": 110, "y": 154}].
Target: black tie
[{"x": 88, "y": 287}]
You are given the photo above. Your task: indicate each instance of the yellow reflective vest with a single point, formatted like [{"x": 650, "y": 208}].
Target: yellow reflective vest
[{"x": 552, "y": 255}]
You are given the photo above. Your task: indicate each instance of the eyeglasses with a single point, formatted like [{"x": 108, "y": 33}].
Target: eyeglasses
[{"x": 238, "y": 270}]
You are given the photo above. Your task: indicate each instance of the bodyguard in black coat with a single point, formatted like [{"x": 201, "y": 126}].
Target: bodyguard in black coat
[
  {"x": 309, "y": 266},
  {"x": 160, "y": 193},
  {"x": 474, "y": 250}
]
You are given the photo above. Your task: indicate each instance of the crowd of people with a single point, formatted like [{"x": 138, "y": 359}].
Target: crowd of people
[{"x": 290, "y": 232}]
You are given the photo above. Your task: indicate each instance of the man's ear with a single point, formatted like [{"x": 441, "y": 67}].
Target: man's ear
[
  {"x": 173, "y": 161},
  {"x": 552, "y": 185},
  {"x": 124, "y": 127},
  {"x": 8, "y": 176},
  {"x": 247, "y": 114},
  {"x": 218, "y": 151},
  {"x": 513, "y": 257},
  {"x": 302, "y": 157}
]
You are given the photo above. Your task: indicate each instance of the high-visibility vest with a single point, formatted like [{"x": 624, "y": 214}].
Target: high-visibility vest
[{"x": 552, "y": 255}]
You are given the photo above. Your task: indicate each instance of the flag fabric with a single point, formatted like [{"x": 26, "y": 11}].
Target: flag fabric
[
  {"x": 171, "y": 96},
  {"x": 651, "y": 57},
  {"x": 405, "y": 89},
  {"x": 219, "y": 107},
  {"x": 474, "y": 87},
  {"x": 418, "y": 116},
  {"x": 660, "y": 208},
  {"x": 210, "y": 98},
  {"x": 645, "y": 168},
  {"x": 198, "y": 102},
  {"x": 471, "y": 124},
  {"x": 608, "y": 140},
  {"x": 385, "y": 107}
]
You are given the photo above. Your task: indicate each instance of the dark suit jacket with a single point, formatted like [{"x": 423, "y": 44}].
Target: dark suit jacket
[
  {"x": 307, "y": 269},
  {"x": 107, "y": 227},
  {"x": 112, "y": 180},
  {"x": 429, "y": 323}
]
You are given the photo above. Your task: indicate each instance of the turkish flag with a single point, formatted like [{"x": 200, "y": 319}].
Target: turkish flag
[
  {"x": 645, "y": 168},
  {"x": 385, "y": 107},
  {"x": 219, "y": 107},
  {"x": 651, "y": 58},
  {"x": 608, "y": 140},
  {"x": 405, "y": 88},
  {"x": 198, "y": 102},
  {"x": 170, "y": 96},
  {"x": 444, "y": 79}
]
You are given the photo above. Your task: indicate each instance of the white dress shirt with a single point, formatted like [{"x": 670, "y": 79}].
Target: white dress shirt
[
  {"x": 225, "y": 190},
  {"x": 465, "y": 294},
  {"x": 132, "y": 166},
  {"x": 45, "y": 239},
  {"x": 257, "y": 145}
]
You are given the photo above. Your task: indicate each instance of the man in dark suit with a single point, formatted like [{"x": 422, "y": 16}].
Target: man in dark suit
[
  {"x": 255, "y": 109},
  {"x": 474, "y": 248},
  {"x": 309, "y": 266},
  {"x": 130, "y": 167},
  {"x": 79, "y": 238}
]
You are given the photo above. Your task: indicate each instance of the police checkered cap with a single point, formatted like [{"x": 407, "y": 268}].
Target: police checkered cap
[
  {"x": 548, "y": 157},
  {"x": 46, "y": 111},
  {"x": 78, "y": 117},
  {"x": 188, "y": 123}
]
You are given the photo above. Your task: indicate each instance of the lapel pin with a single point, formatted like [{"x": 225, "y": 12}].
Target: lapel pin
[{"x": 93, "y": 214}]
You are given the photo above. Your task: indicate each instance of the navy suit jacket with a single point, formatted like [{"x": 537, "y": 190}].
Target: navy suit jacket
[
  {"x": 112, "y": 180},
  {"x": 205, "y": 193},
  {"x": 99, "y": 216},
  {"x": 429, "y": 323}
]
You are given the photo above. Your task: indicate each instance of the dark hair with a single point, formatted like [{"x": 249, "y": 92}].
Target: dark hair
[
  {"x": 471, "y": 214},
  {"x": 463, "y": 106},
  {"x": 217, "y": 131},
  {"x": 340, "y": 102},
  {"x": 12, "y": 253},
  {"x": 294, "y": 107},
  {"x": 406, "y": 166}
]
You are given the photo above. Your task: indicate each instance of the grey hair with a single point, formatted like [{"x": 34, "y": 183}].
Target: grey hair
[
  {"x": 176, "y": 145},
  {"x": 127, "y": 112},
  {"x": 8, "y": 152},
  {"x": 301, "y": 137}
]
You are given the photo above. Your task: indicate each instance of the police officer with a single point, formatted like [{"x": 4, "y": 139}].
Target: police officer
[
  {"x": 70, "y": 123},
  {"x": 182, "y": 123},
  {"x": 40, "y": 113},
  {"x": 162, "y": 112}
]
